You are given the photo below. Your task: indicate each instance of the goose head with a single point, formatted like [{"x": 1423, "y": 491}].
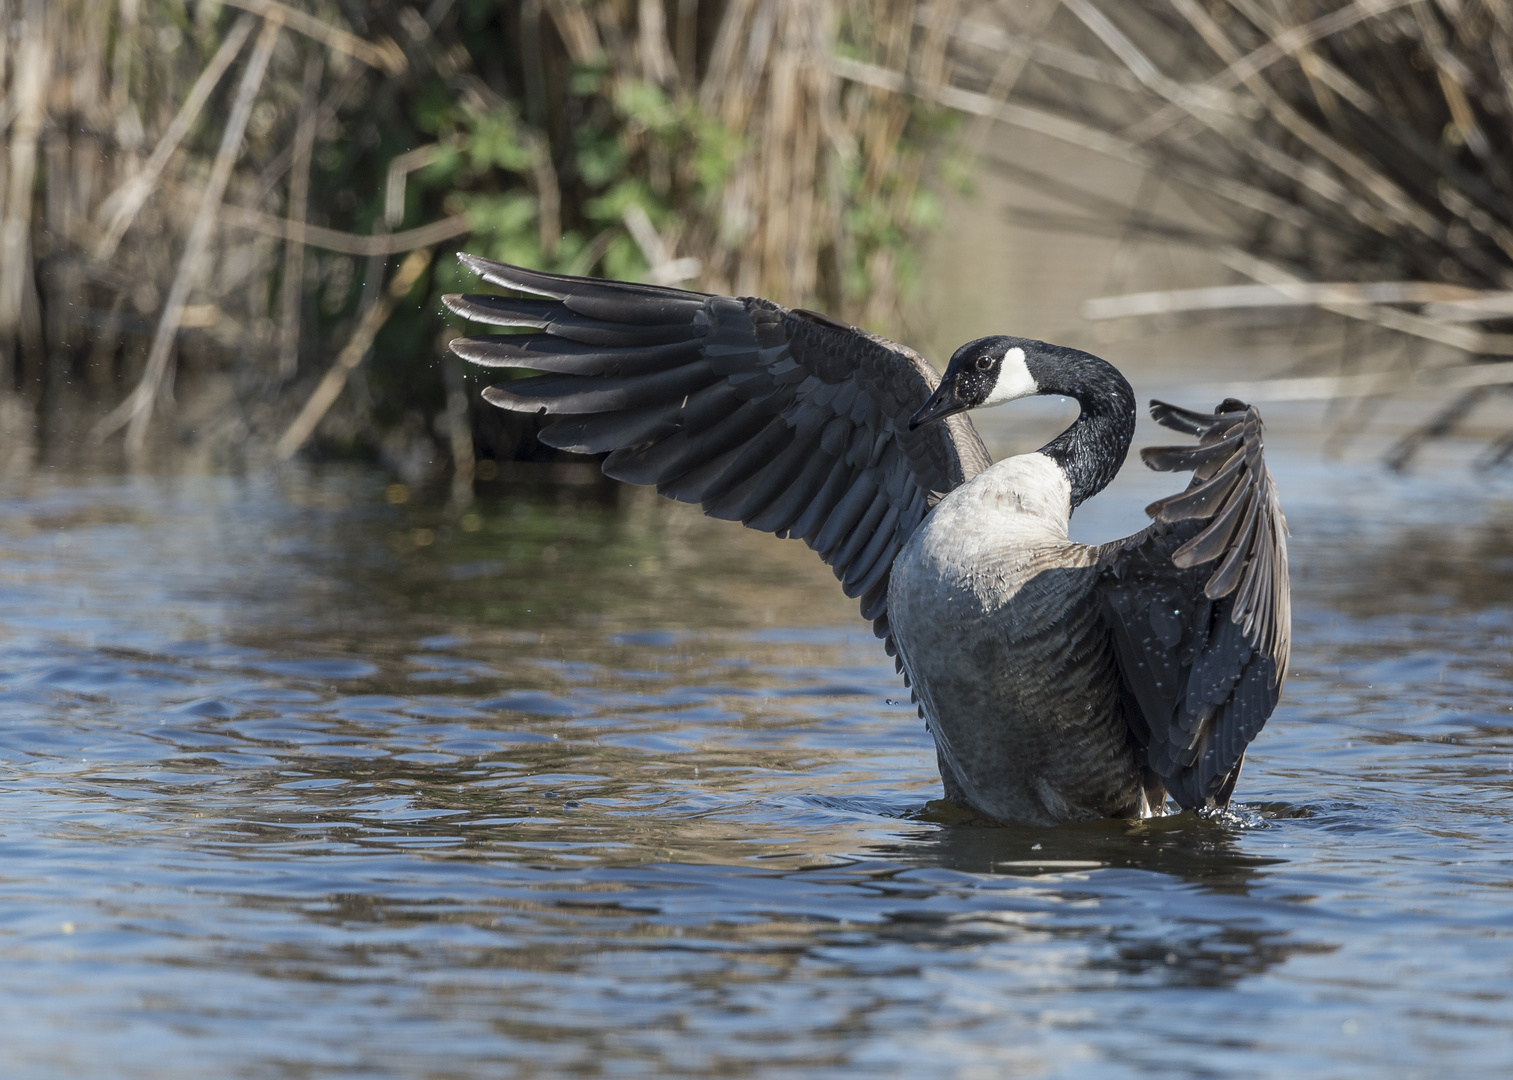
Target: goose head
[{"x": 994, "y": 370}]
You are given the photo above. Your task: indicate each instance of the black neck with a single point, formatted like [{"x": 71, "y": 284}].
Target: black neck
[{"x": 1093, "y": 449}]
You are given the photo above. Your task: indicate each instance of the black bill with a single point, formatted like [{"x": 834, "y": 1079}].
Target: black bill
[{"x": 942, "y": 403}]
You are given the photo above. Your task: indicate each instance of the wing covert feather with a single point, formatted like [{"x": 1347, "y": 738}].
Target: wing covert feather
[
  {"x": 788, "y": 421},
  {"x": 1199, "y": 605}
]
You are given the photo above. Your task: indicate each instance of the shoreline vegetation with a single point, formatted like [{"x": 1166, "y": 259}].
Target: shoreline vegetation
[
  {"x": 1343, "y": 159},
  {"x": 225, "y": 227}
]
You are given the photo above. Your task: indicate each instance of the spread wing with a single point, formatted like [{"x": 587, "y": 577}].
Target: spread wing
[
  {"x": 1199, "y": 604},
  {"x": 787, "y": 421}
]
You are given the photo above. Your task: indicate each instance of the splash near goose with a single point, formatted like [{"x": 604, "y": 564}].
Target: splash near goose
[{"x": 1061, "y": 681}]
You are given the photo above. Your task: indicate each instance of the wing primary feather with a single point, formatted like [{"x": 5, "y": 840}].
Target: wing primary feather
[
  {"x": 545, "y": 352},
  {"x": 1195, "y": 423},
  {"x": 562, "y": 286},
  {"x": 1189, "y": 458},
  {"x": 572, "y": 394},
  {"x": 564, "y": 324},
  {"x": 1180, "y": 419},
  {"x": 861, "y": 566},
  {"x": 1202, "y": 498},
  {"x": 860, "y": 534},
  {"x": 1227, "y": 576},
  {"x": 785, "y": 509},
  {"x": 1214, "y": 540},
  {"x": 770, "y": 440},
  {"x": 568, "y": 326},
  {"x": 515, "y": 277},
  {"x": 635, "y": 308},
  {"x": 602, "y": 432},
  {"x": 1252, "y": 617},
  {"x": 770, "y": 482},
  {"x": 612, "y": 301},
  {"x": 501, "y": 310},
  {"x": 824, "y": 503},
  {"x": 881, "y": 568},
  {"x": 843, "y": 519}
]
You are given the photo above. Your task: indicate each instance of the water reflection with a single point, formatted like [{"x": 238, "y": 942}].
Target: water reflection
[
  {"x": 302, "y": 782},
  {"x": 1209, "y": 852}
]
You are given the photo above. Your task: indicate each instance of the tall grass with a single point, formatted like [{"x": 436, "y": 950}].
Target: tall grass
[
  {"x": 1351, "y": 156},
  {"x": 224, "y": 226}
]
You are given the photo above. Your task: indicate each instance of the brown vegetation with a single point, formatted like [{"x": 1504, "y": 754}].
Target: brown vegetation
[
  {"x": 1345, "y": 155},
  {"x": 202, "y": 201}
]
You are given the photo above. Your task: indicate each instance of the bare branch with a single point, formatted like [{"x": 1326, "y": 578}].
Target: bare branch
[
  {"x": 120, "y": 207},
  {"x": 347, "y": 243},
  {"x": 383, "y": 55},
  {"x": 136, "y": 410},
  {"x": 330, "y": 387}
]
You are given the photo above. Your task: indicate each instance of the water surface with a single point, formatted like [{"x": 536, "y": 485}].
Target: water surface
[{"x": 295, "y": 782}]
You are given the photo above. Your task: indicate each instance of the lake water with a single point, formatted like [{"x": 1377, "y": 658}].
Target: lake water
[{"x": 297, "y": 782}]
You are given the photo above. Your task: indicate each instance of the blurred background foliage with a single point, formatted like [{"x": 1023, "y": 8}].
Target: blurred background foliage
[
  {"x": 705, "y": 143},
  {"x": 225, "y": 226},
  {"x": 1338, "y": 170}
]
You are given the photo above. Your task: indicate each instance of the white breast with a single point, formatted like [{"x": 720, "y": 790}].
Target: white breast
[
  {"x": 988, "y": 534},
  {"x": 989, "y": 609}
]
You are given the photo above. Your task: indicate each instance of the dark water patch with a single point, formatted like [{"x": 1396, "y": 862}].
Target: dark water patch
[
  {"x": 657, "y": 639},
  {"x": 539, "y": 704},
  {"x": 214, "y": 708},
  {"x": 831, "y": 690},
  {"x": 327, "y": 668}
]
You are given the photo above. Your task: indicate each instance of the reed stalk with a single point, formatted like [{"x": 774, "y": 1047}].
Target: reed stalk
[
  {"x": 135, "y": 412},
  {"x": 199, "y": 201},
  {"x": 1345, "y": 155}
]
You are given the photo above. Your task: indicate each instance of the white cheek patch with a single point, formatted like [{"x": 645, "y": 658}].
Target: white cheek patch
[{"x": 1014, "y": 380}]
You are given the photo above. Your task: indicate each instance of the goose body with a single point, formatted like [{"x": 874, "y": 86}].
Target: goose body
[
  {"x": 997, "y": 618},
  {"x": 1061, "y": 681}
]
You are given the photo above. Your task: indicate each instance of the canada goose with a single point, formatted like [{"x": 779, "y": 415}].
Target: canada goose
[{"x": 1061, "y": 681}]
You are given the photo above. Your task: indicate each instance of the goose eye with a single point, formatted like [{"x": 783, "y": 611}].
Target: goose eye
[{"x": 984, "y": 363}]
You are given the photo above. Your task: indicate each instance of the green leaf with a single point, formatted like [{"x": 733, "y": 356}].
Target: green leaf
[
  {"x": 611, "y": 206},
  {"x": 646, "y": 104},
  {"x": 495, "y": 141},
  {"x": 600, "y": 159},
  {"x": 716, "y": 150},
  {"x": 504, "y": 215},
  {"x": 586, "y": 81},
  {"x": 443, "y": 170},
  {"x": 926, "y": 211},
  {"x": 434, "y": 108}
]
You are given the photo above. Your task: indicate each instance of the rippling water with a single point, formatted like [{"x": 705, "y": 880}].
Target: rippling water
[{"x": 298, "y": 783}]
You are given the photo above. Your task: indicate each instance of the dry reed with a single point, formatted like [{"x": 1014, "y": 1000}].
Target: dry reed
[
  {"x": 200, "y": 200},
  {"x": 1346, "y": 155}
]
